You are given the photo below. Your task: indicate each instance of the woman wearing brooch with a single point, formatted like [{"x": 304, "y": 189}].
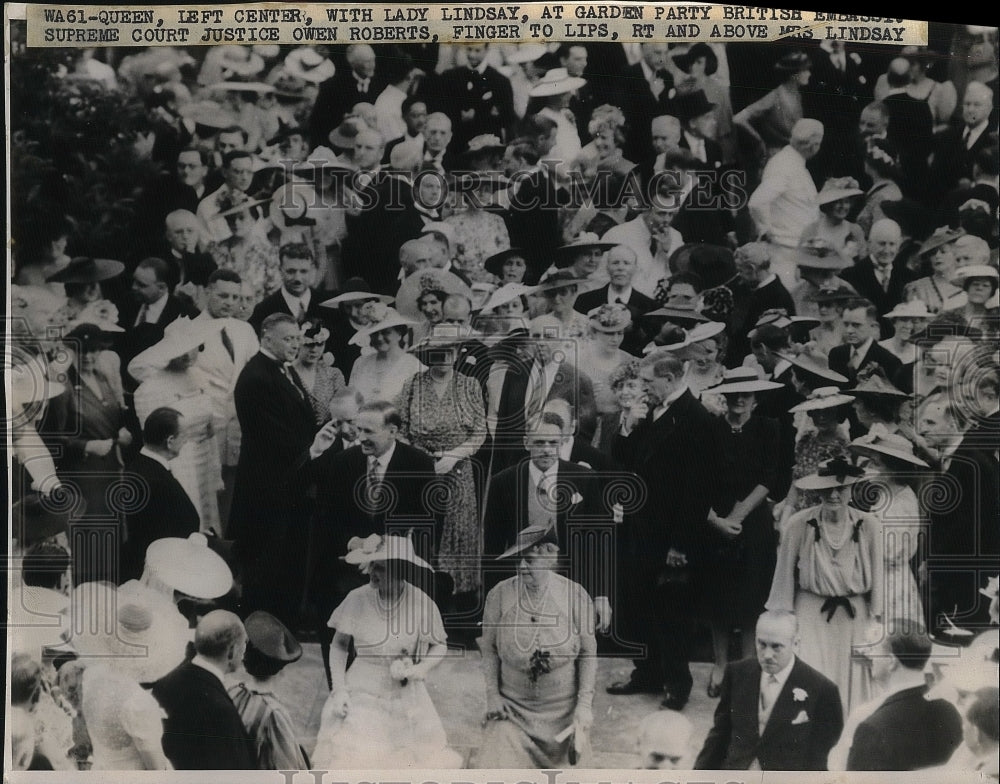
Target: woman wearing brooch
[
  {"x": 379, "y": 714},
  {"x": 830, "y": 574},
  {"x": 539, "y": 661}
]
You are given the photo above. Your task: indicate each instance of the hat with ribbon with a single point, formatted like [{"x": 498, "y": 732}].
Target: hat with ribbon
[
  {"x": 392, "y": 320},
  {"x": 309, "y": 65},
  {"x": 556, "y": 82},
  {"x": 88, "y": 337},
  {"x": 833, "y": 473},
  {"x": 875, "y": 384},
  {"x": 697, "y": 50},
  {"x": 506, "y": 293},
  {"x": 915, "y": 309},
  {"x": 827, "y": 295},
  {"x": 823, "y": 397},
  {"x": 528, "y": 538},
  {"x": 813, "y": 362},
  {"x": 375, "y": 547},
  {"x": 817, "y": 253},
  {"x": 742, "y": 380},
  {"x": 837, "y": 188},
  {"x": 179, "y": 337},
  {"x": 878, "y": 440},
  {"x": 943, "y": 235}
]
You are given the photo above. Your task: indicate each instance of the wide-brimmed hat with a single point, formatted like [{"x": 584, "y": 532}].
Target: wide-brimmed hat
[
  {"x": 528, "y": 538},
  {"x": 446, "y": 230},
  {"x": 179, "y": 337},
  {"x": 189, "y": 566},
  {"x": 556, "y": 82},
  {"x": 243, "y": 206},
  {"x": 566, "y": 254},
  {"x": 30, "y": 384},
  {"x": 817, "y": 253},
  {"x": 682, "y": 316},
  {"x": 285, "y": 131},
  {"x": 560, "y": 279},
  {"x": 427, "y": 280},
  {"x": 240, "y": 61},
  {"x": 322, "y": 159},
  {"x": 832, "y": 473},
  {"x": 88, "y": 337},
  {"x": 309, "y": 65},
  {"x": 828, "y": 294},
  {"x": 84, "y": 269},
  {"x": 270, "y": 639},
  {"x": 714, "y": 264},
  {"x": 131, "y": 629},
  {"x": 257, "y": 88},
  {"x": 879, "y": 440},
  {"x": 704, "y": 331},
  {"x": 483, "y": 144},
  {"x": 526, "y": 53},
  {"x": 941, "y": 236},
  {"x": 919, "y": 54},
  {"x": 35, "y": 517},
  {"x": 813, "y": 362},
  {"x": 207, "y": 114},
  {"x": 494, "y": 264},
  {"x": 964, "y": 274},
  {"x": 355, "y": 290},
  {"x": 382, "y": 548},
  {"x": 688, "y": 105},
  {"x": 506, "y": 293},
  {"x": 793, "y": 62},
  {"x": 435, "y": 343},
  {"x": 915, "y": 308},
  {"x": 742, "y": 379},
  {"x": 343, "y": 135},
  {"x": 876, "y": 385},
  {"x": 684, "y": 60},
  {"x": 290, "y": 206},
  {"x": 821, "y": 398},
  {"x": 778, "y": 317},
  {"x": 609, "y": 318},
  {"x": 392, "y": 320},
  {"x": 837, "y": 188}
]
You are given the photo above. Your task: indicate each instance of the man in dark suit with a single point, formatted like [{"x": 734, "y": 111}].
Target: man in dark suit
[
  {"x": 956, "y": 149},
  {"x": 775, "y": 711},
  {"x": 573, "y": 57},
  {"x": 179, "y": 249},
  {"x": 906, "y": 731},
  {"x": 643, "y": 91},
  {"x": 181, "y": 189},
  {"x": 359, "y": 83},
  {"x": 880, "y": 277},
  {"x": 477, "y": 98},
  {"x": 168, "y": 511},
  {"x": 673, "y": 453},
  {"x": 269, "y": 513},
  {"x": 296, "y": 297},
  {"x": 562, "y": 496},
  {"x": 860, "y": 349},
  {"x": 151, "y": 307},
  {"x": 755, "y": 291},
  {"x": 203, "y": 730},
  {"x": 621, "y": 265},
  {"x": 911, "y": 130}
]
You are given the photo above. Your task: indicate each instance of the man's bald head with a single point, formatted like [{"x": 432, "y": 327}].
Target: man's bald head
[
  {"x": 664, "y": 741},
  {"x": 666, "y": 131},
  {"x": 221, "y": 638},
  {"x": 361, "y": 58},
  {"x": 885, "y": 228},
  {"x": 884, "y": 240},
  {"x": 976, "y": 104},
  {"x": 807, "y": 136},
  {"x": 416, "y": 255},
  {"x": 437, "y": 131}
]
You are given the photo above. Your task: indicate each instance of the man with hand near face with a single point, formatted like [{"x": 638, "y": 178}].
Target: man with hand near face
[{"x": 775, "y": 711}]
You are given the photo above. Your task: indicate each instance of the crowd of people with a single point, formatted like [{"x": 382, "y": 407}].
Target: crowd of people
[{"x": 560, "y": 352}]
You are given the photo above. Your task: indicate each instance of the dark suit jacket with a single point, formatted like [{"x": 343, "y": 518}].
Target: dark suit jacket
[
  {"x": 488, "y": 93},
  {"x": 748, "y": 306},
  {"x": 203, "y": 730},
  {"x": 196, "y": 267},
  {"x": 735, "y": 740},
  {"x": 862, "y": 277},
  {"x": 635, "y": 98},
  {"x": 533, "y": 221},
  {"x": 507, "y": 514},
  {"x": 952, "y": 161},
  {"x": 906, "y": 732},
  {"x": 336, "y": 97},
  {"x": 701, "y": 217},
  {"x": 275, "y": 303},
  {"x": 841, "y": 355},
  {"x": 911, "y": 129},
  {"x": 638, "y": 305},
  {"x": 168, "y": 511}
]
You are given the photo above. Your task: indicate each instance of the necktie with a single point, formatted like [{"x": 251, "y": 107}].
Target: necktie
[
  {"x": 302, "y": 312},
  {"x": 855, "y": 357},
  {"x": 654, "y": 246},
  {"x": 141, "y": 319},
  {"x": 374, "y": 481},
  {"x": 227, "y": 342},
  {"x": 768, "y": 694},
  {"x": 618, "y": 301},
  {"x": 292, "y": 376}
]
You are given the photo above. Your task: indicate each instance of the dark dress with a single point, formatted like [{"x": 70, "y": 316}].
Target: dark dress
[{"x": 736, "y": 577}]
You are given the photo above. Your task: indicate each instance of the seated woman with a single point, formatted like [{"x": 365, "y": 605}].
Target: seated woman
[
  {"x": 539, "y": 660},
  {"x": 270, "y": 647},
  {"x": 379, "y": 713}
]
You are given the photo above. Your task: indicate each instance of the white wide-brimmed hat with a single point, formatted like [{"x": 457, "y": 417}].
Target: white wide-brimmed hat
[
  {"x": 556, "y": 82},
  {"x": 881, "y": 441},
  {"x": 392, "y": 319},
  {"x": 179, "y": 337},
  {"x": 189, "y": 566},
  {"x": 506, "y": 293},
  {"x": 382, "y": 548},
  {"x": 832, "y": 473},
  {"x": 969, "y": 271},
  {"x": 742, "y": 379},
  {"x": 823, "y": 397},
  {"x": 915, "y": 308},
  {"x": 309, "y": 65}
]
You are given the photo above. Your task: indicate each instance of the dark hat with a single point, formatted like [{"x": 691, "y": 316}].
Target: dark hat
[
  {"x": 793, "y": 62},
  {"x": 494, "y": 264},
  {"x": 270, "y": 639},
  {"x": 528, "y": 538},
  {"x": 89, "y": 337},
  {"x": 83, "y": 269},
  {"x": 35, "y": 517},
  {"x": 285, "y": 131},
  {"x": 585, "y": 241},
  {"x": 688, "y": 105},
  {"x": 343, "y": 135},
  {"x": 700, "y": 49},
  {"x": 838, "y": 293},
  {"x": 714, "y": 264}
]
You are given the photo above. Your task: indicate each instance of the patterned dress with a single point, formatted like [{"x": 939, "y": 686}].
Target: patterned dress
[
  {"x": 479, "y": 235},
  {"x": 268, "y": 723},
  {"x": 329, "y": 380},
  {"x": 436, "y": 424}
]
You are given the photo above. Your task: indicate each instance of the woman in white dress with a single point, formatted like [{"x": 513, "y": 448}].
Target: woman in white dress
[
  {"x": 379, "y": 713},
  {"x": 379, "y": 373},
  {"x": 601, "y": 354},
  {"x": 170, "y": 378}
]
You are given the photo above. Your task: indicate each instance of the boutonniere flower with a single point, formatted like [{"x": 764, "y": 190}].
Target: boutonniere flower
[
  {"x": 800, "y": 695},
  {"x": 576, "y": 499}
]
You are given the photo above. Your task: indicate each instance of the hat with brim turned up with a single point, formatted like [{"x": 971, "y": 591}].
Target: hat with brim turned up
[
  {"x": 528, "y": 538},
  {"x": 833, "y": 473},
  {"x": 362, "y": 552},
  {"x": 556, "y": 82}
]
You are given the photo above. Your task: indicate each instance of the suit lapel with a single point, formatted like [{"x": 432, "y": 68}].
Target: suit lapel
[
  {"x": 785, "y": 708},
  {"x": 746, "y": 700}
]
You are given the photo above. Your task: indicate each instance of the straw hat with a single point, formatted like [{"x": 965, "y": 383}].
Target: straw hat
[
  {"x": 240, "y": 61},
  {"x": 585, "y": 241},
  {"x": 526, "y": 53},
  {"x": 528, "y": 538},
  {"x": 876, "y": 385},
  {"x": 362, "y": 552},
  {"x": 427, "y": 280},
  {"x": 880, "y": 441},
  {"x": 494, "y": 264},
  {"x": 506, "y": 293},
  {"x": 189, "y": 566},
  {"x": 704, "y": 331},
  {"x": 823, "y": 397},
  {"x": 915, "y": 308},
  {"x": 355, "y": 289},
  {"x": 556, "y": 82},
  {"x": 833, "y": 473},
  {"x": 435, "y": 344},
  {"x": 943, "y": 235},
  {"x": 817, "y": 253},
  {"x": 179, "y": 337},
  {"x": 258, "y": 88},
  {"x": 700, "y": 49},
  {"x": 837, "y": 188},
  {"x": 742, "y": 379},
  {"x": 813, "y": 362},
  {"x": 83, "y": 269},
  {"x": 970, "y": 271},
  {"x": 309, "y": 65},
  {"x": 392, "y": 320},
  {"x": 609, "y": 318}
]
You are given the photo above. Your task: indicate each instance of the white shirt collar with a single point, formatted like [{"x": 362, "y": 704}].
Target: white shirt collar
[
  {"x": 481, "y": 68},
  {"x": 155, "y": 310},
  {"x": 781, "y": 676},
  {"x": 205, "y": 664},
  {"x": 863, "y": 348},
  {"x": 293, "y": 302},
  {"x": 694, "y": 142},
  {"x": 154, "y": 456},
  {"x": 382, "y": 461},
  {"x": 648, "y": 72},
  {"x": 675, "y": 395},
  {"x": 536, "y": 475}
]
